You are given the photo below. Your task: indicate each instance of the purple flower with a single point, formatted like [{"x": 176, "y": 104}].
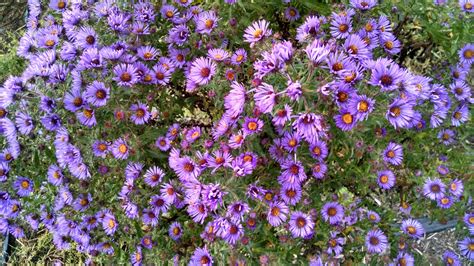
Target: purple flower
[
  {"x": 233, "y": 232},
  {"x": 239, "y": 57},
  {"x": 252, "y": 125},
  {"x": 290, "y": 193},
  {"x": 460, "y": 115},
  {"x": 357, "y": 48},
  {"x": 450, "y": 258},
  {"x": 361, "y": 106},
  {"x": 386, "y": 179},
  {"x": 334, "y": 244},
  {"x": 109, "y": 224},
  {"x": 82, "y": 202},
  {"x": 373, "y": 216},
  {"x": 120, "y": 149},
  {"x": 218, "y": 54},
  {"x": 412, "y": 228},
  {"x": 234, "y": 101},
  {"x": 376, "y": 241},
  {"x": 87, "y": 117},
  {"x": 23, "y": 186},
  {"x": 153, "y": 176},
  {"x": 341, "y": 26},
  {"x": 310, "y": 126},
  {"x": 140, "y": 115},
  {"x": 100, "y": 148},
  {"x": 385, "y": 74},
  {"x": 277, "y": 213},
  {"x": 434, "y": 189},
  {"x": 446, "y": 136},
  {"x": 24, "y": 123},
  {"x": 345, "y": 120},
  {"x": 265, "y": 97},
  {"x": 206, "y": 22},
  {"x": 445, "y": 202},
  {"x": 282, "y": 115},
  {"x": 465, "y": 247},
  {"x": 86, "y": 37},
  {"x": 332, "y": 212},
  {"x": 363, "y": 4},
  {"x": 301, "y": 224},
  {"x": 456, "y": 188},
  {"x": 212, "y": 195},
  {"x": 257, "y": 31},
  {"x": 201, "y": 257},
  {"x": 125, "y": 75},
  {"x": 175, "y": 231},
  {"x": 202, "y": 70},
  {"x": 292, "y": 14},
  {"x": 96, "y": 94},
  {"x": 393, "y": 154},
  {"x": 466, "y": 54},
  {"x": 197, "y": 211}
]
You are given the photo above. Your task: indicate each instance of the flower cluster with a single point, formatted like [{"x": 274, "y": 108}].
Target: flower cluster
[{"x": 306, "y": 134}]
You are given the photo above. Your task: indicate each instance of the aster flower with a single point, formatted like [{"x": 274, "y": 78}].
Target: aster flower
[
  {"x": 404, "y": 258},
  {"x": 345, "y": 120},
  {"x": 252, "y": 125},
  {"x": 159, "y": 204},
  {"x": 310, "y": 28},
  {"x": 301, "y": 224},
  {"x": 86, "y": 37},
  {"x": 239, "y": 57},
  {"x": 460, "y": 115},
  {"x": 24, "y": 123},
  {"x": 201, "y": 257},
  {"x": 460, "y": 90},
  {"x": 376, "y": 241},
  {"x": 233, "y": 232},
  {"x": 317, "y": 52},
  {"x": 198, "y": 212},
  {"x": 450, "y": 258},
  {"x": 55, "y": 175},
  {"x": 100, "y": 148},
  {"x": 175, "y": 231},
  {"x": 202, "y": 70},
  {"x": 363, "y": 5},
  {"x": 206, "y": 22},
  {"x": 96, "y": 94},
  {"x": 153, "y": 176},
  {"x": 466, "y": 54},
  {"x": 456, "y": 188},
  {"x": 445, "y": 202},
  {"x": 125, "y": 75},
  {"x": 140, "y": 115},
  {"x": 291, "y": 141},
  {"x": 265, "y": 97},
  {"x": 23, "y": 186},
  {"x": 386, "y": 179},
  {"x": 356, "y": 47},
  {"x": 120, "y": 149},
  {"x": 277, "y": 213},
  {"x": 446, "y": 136},
  {"x": 178, "y": 35},
  {"x": 234, "y": 101},
  {"x": 257, "y": 31},
  {"x": 218, "y": 54},
  {"x": 465, "y": 247},
  {"x": 434, "y": 189},
  {"x": 310, "y": 126},
  {"x": 109, "y": 224},
  {"x": 87, "y": 116},
  {"x": 412, "y": 228},
  {"x": 193, "y": 134},
  {"x": 361, "y": 106},
  {"x": 387, "y": 76},
  {"x": 341, "y": 26},
  {"x": 163, "y": 143},
  {"x": 187, "y": 169},
  {"x": 332, "y": 212},
  {"x": 282, "y": 115},
  {"x": 292, "y": 14},
  {"x": 373, "y": 216},
  {"x": 393, "y": 154},
  {"x": 82, "y": 202}
]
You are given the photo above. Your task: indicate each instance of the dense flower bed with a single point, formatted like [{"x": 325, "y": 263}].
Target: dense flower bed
[{"x": 311, "y": 141}]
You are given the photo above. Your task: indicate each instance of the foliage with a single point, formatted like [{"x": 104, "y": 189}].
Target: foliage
[{"x": 113, "y": 105}]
